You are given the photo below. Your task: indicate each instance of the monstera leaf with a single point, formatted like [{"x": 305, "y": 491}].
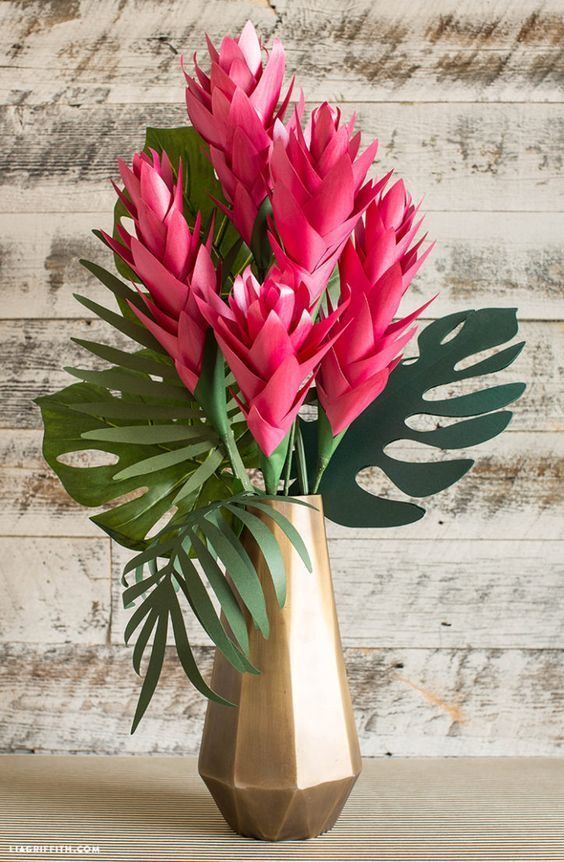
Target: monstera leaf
[
  {"x": 160, "y": 460},
  {"x": 441, "y": 350}
]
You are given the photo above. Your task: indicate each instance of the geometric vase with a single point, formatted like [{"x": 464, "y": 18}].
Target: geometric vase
[{"x": 282, "y": 764}]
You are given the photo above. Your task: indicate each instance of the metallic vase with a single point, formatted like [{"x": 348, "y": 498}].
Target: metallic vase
[{"x": 282, "y": 764}]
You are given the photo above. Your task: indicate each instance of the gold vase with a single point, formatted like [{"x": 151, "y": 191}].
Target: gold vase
[{"x": 282, "y": 764}]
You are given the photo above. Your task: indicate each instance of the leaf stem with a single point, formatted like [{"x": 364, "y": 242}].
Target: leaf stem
[
  {"x": 301, "y": 456},
  {"x": 288, "y": 468}
]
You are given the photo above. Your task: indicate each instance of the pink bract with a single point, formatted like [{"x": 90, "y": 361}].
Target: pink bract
[
  {"x": 319, "y": 193},
  {"x": 235, "y": 108},
  {"x": 272, "y": 345},
  {"x": 168, "y": 258},
  {"x": 375, "y": 272}
]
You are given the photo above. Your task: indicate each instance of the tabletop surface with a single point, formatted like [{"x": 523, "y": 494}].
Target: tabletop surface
[{"x": 155, "y": 808}]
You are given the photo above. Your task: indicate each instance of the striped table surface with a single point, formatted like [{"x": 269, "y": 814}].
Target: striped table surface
[{"x": 155, "y": 808}]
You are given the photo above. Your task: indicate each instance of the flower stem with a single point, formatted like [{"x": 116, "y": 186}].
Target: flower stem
[
  {"x": 221, "y": 233},
  {"x": 326, "y": 445},
  {"x": 302, "y": 465},
  {"x": 289, "y": 459}
]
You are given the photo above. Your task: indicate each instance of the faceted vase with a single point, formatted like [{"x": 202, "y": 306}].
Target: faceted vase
[{"x": 282, "y": 764}]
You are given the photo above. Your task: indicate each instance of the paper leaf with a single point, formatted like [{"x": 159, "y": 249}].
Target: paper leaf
[
  {"x": 441, "y": 350},
  {"x": 128, "y": 522}
]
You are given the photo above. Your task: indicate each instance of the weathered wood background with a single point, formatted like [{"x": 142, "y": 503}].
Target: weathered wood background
[{"x": 453, "y": 627}]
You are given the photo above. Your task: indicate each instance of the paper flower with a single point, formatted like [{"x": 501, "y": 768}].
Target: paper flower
[
  {"x": 318, "y": 194},
  {"x": 234, "y": 109},
  {"x": 375, "y": 272},
  {"x": 168, "y": 258},
  {"x": 272, "y": 345}
]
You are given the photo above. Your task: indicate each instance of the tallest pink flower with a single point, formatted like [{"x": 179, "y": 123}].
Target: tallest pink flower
[{"x": 235, "y": 109}]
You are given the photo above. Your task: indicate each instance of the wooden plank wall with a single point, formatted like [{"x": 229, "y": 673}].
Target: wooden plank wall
[{"x": 452, "y": 627}]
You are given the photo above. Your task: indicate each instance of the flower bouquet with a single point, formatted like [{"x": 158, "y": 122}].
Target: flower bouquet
[{"x": 258, "y": 366}]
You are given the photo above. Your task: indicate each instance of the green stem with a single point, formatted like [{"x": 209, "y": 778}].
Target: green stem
[
  {"x": 289, "y": 459},
  {"x": 318, "y": 476},
  {"x": 326, "y": 446},
  {"x": 221, "y": 233},
  {"x": 302, "y": 465},
  {"x": 245, "y": 264}
]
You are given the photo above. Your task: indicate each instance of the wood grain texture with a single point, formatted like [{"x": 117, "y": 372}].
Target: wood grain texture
[
  {"x": 110, "y": 51},
  {"x": 53, "y": 591},
  {"x": 158, "y": 809},
  {"x": 481, "y": 259},
  {"x": 453, "y": 626},
  {"x": 461, "y": 157},
  {"x": 449, "y": 593},
  {"x": 516, "y": 481},
  {"x": 33, "y": 354},
  {"x": 407, "y": 702}
]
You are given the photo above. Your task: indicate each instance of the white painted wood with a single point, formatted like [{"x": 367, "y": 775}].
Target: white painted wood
[
  {"x": 106, "y": 51},
  {"x": 451, "y": 593},
  {"x": 81, "y": 80},
  {"x": 480, "y": 259},
  {"x": 54, "y": 591},
  {"x": 33, "y": 354},
  {"x": 461, "y": 157},
  {"x": 516, "y": 481},
  {"x": 407, "y": 701}
]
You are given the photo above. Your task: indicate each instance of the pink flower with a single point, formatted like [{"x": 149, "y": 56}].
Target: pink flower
[
  {"x": 318, "y": 194},
  {"x": 267, "y": 335},
  {"x": 168, "y": 258},
  {"x": 234, "y": 109},
  {"x": 375, "y": 273}
]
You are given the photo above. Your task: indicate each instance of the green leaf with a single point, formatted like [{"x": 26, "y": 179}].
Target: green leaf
[
  {"x": 137, "y": 618},
  {"x": 143, "y": 639},
  {"x": 145, "y": 435},
  {"x": 128, "y": 522},
  {"x": 475, "y": 403},
  {"x": 120, "y": 290},
  {"x": 141, "y": 586},
  {"x": 185, "y": 653},
  {"x": 206, "y": 469},
  {"x": 116, "y": 408},
  {"x": 286, "y": 526},
  {"x": 131, "y": 383},
  {"x": 223, "y": 591},
  {"x": 443, "y": 347},
  {"x": 268, "y": 546},
  {"x": 237, "y": 562},
  {"x": 200, "y": 602},
  {"x": 163, "y": 461},
  {"x": 154, "y": 550},
  {"x": 471, "y": 432},
  {"x": 135, "y": 331},
  {"x": 154, "y": 668},
  {"x": 136, "y": 361},
  {"x": 210, "y": 391}
]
